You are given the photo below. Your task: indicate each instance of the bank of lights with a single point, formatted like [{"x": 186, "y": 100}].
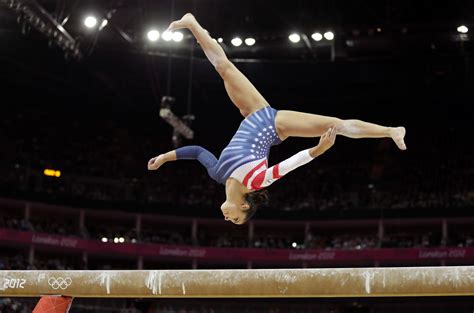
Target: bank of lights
[
  {"x": 295, "y": 38},
  {"x": 115, "y": 240},
  {"x": 52, "y": 173},
  {"x": 119, "y": 240},
  {"x": 154, "y": 35}
]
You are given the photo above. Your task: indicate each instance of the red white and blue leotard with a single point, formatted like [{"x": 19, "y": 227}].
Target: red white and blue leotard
[
  {"x": 245, "y": 157},
  {"x": 256, "y": 175}
]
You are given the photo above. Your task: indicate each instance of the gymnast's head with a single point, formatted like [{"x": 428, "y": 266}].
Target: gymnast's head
[{"x": 240, "y": 213}]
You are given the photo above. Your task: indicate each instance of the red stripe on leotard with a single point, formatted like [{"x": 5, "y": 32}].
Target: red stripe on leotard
[
  {"x": 258, "y": 180},
  {"x": 247, "y": 177}
]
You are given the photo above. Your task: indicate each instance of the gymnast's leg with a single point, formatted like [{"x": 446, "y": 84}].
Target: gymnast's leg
[
  {"x": 240, "y": 90},
  {"x": 298, "y": 124}
]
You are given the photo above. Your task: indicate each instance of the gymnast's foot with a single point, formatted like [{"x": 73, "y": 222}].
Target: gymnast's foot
[
  {"x": 398, "y": 135},
  {"x": 185, "y": 22}
]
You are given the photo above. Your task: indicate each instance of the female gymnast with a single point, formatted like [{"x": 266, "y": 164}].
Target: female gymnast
[{"x": 242, "y": 166}]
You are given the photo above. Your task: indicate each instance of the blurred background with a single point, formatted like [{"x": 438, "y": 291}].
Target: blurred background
[{"x": 83, "y": 83}]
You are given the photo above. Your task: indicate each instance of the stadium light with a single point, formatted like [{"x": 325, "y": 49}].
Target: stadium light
[
  {"x": 177, "y": 36},
  {"x": 236, "y": 41},
  {"x": 153, "y": 35},
  {"x": 104, "y": 239},
  {"x": 90, "y": 21},
  {"x": 167, "y": 36},
  {"x": 294, "y": 38},
  {"x": 329, "y": 35},
  {"x": 317, "y": 36},
  {"x": 249, "y": 41},
  {"x": 121, "y": 240},
  {"x": 220, "y": 40},
  {"x": 294, "y": 244},
  {"x": 116, "y": 240},
  {"x": 463, "y": 29}
]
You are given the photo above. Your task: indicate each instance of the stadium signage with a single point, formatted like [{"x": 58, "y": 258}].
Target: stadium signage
[
  {"x": 171, "y": 251},
  {"x": 54, "y": 240},
  {"x": 236, "y": 254},
  {"x": 442, "y": 254},
  {"x": 312, "y": 256}
]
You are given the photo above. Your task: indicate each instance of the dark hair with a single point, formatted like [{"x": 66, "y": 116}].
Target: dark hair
[{"x": 255, "y": 200}]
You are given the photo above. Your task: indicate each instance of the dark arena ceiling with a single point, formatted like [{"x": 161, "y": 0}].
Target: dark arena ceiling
[
  {"x": 381, "y": 50},
  {"x": 363, "y": 29}
]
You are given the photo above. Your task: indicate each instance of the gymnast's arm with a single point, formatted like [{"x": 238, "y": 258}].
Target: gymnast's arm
[
  {"x": 277, "y": 171},
  {"x": 206, "y": 158}
]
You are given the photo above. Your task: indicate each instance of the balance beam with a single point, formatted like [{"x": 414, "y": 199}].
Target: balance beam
[{"x": 258, "y": 283}]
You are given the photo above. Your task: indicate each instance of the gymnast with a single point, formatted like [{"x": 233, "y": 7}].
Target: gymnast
[{"x": 242, "y": 166}]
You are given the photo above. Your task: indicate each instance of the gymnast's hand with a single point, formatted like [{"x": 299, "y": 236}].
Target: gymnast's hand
[
  {"x": 325, "y": 142},
  {"x": 156, "y": 162},
  {"x": 327, "y": 139}
]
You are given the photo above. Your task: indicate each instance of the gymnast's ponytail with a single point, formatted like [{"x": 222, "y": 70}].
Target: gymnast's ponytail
[{"x": 255, "y": 200}]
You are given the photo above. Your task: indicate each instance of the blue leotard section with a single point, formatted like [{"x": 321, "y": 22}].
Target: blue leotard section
[{"x": 252, "y": 141}]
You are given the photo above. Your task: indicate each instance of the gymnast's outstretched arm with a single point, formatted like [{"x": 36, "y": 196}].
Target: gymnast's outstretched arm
[{"x": 206, "y": 158}]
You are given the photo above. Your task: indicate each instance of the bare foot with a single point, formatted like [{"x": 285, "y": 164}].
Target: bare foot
[
  {"x": 398, "y": 135},
  {"x": 185, "y": 22}
]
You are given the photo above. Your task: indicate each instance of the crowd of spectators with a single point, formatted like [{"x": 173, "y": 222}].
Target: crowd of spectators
[
  {"x": 19, "y": 262},
  {"x": 403, "y": 240},
  {"x": 45, "y": 225},
  {"x": 341, "y": 242},
  {"x": 14, "y": 262}
]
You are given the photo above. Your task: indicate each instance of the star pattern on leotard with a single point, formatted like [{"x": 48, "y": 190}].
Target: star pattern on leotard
[{"x": 263, "y": 141}]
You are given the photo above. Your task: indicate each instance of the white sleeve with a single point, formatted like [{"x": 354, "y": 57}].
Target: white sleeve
[
  {"x": 270, "y": 175},
  {"x": 301, "y": 158}
]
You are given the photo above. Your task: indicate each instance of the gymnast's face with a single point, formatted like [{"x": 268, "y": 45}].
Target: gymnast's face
[{"x": 234, "y": 212}]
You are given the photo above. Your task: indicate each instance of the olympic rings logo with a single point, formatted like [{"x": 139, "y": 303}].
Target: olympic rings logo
[{"x": 59, "y": 283}]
